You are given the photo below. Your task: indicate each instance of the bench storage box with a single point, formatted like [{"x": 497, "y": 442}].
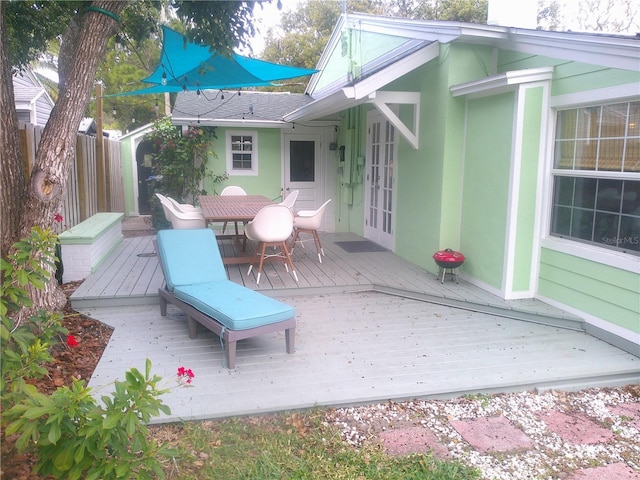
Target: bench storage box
[{"x": 85, "y": 246}]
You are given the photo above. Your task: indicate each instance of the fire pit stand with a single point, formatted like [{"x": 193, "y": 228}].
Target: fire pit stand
[{"x": 448, "y": 261}]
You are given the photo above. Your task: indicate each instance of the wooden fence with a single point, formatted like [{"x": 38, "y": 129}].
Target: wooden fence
[{"x": 90, "y": 188}]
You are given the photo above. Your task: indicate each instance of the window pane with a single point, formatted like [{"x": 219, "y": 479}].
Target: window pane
[
  {"x": 302, "y": 161},
  {"x": 609, "y": 195},
  {"x": 631, "y": 198},
  {"x": 632, "y": 155},
  {"x": 561, "y": 221},
  {"x": 582, "y": 224},
  {"x": 242, "y": 161},
  {"x": 614, "y": 120},
  {"x": 610, "y": 154},
  {"x": 629, "y": 238},
  {"x": 566, "y": 129},
  {"x": 563, "y": 191},
  {"x": 585, "y": 192},
  {"x": 586, "y": 153},
  {"x": 606, "y": 228},
  {"x": 588, "y": 122}
]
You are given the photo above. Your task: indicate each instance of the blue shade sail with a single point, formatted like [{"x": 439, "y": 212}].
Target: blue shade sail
[{"x": 185, "y": 65}]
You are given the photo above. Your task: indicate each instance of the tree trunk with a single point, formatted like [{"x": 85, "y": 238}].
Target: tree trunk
[
  {"x": 12, "y": 178},
  {"x": 83, "y": 47}
]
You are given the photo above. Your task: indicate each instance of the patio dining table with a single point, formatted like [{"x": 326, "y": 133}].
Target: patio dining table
[{"x": 232, "y": 208}]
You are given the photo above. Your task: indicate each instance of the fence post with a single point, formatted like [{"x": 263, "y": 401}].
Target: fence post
[{"x": 102, "y": 172}]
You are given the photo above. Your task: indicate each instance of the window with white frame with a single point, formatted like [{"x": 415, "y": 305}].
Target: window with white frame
[
  {"x": 596, "y": 176},
  {"x": 242, "y": 152}
]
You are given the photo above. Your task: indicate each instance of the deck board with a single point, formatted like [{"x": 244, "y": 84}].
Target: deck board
[
  {"x": 371, "y": 327},
  {"x": 353, "y": 348}
]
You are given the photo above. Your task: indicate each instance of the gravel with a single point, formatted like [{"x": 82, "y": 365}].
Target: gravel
[{"x": 568, "y": 431}]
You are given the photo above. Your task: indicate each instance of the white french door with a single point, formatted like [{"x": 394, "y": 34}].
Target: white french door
[{"x": 379, "y": 218}]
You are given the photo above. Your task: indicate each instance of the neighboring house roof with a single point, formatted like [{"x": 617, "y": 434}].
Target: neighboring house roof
[
  {"x": 246, "y": 108},
  {"x": 33, "y": 103},
  {"x": 414, "y": 43},
  {"x": 87, "y": 126}
]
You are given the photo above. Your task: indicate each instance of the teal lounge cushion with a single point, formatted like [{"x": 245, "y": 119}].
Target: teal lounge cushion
[
  {"x": 234, "y": 306},
  {"x": 190, "y": 257}
]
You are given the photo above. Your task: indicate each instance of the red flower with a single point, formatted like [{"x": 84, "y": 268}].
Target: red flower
[
  {"x": 185, "y": 374},
  {"x": 58, "y": 218},
  {"x": 71, "y": 341}
]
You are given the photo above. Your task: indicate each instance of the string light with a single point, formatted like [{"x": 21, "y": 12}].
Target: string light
[{"x": 163, "y": 81}]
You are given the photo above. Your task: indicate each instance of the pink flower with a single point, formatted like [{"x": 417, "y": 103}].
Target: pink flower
[
  {"x": 58, "y": 218},
  {"x": 185, "y": 375},
  {"x": 71, "y": 341}
]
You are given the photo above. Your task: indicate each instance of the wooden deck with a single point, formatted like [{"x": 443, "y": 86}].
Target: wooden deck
[{"x": 371, "y": 327}]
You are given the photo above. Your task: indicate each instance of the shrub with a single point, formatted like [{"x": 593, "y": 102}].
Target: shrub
[{"x": 72, "y": 435}]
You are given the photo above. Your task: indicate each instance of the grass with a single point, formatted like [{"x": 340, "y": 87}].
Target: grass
[{"x": 290, "y": 446}]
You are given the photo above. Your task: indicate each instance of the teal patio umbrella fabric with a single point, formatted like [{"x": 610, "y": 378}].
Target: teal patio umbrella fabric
[{"x": 186, "y": 66}]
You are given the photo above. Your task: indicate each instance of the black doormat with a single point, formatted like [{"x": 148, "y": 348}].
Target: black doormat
[{"x": 361, "y": 246}]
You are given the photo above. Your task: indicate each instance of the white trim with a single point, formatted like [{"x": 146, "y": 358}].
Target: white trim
[
  {"x": 619, "y": 93},
  {"x": 254, "y": 153},
  {"x": 397, "y": 69},
  {"x": 611, "y": 258},
  {"x": 605, "y": 325},
  {"x": 381, "y": 100},
  {"x": 358, "y": 93},
  {"x": 513, "y": 196},
  {"x": 542, "y": 184},
  {"x": 502, "y": 82},
  {"x": 226, "y": 122}
]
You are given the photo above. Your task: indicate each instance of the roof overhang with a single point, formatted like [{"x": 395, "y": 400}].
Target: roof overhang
[
  {"x": 233, "y": 123},
  {"x": 367, "y": 90},
  {"x": 502, "y": 82}
]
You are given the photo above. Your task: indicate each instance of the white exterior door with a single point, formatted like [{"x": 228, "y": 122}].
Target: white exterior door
[
  {"x": 302, "y": 169},
  {"x": 379, "y": 215}
]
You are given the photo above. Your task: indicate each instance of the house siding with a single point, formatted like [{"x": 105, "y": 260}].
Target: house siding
[{"x": 602, "y": 291}]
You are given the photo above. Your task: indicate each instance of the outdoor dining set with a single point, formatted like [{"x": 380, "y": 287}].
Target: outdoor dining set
[{"x": 264, "y": 221}]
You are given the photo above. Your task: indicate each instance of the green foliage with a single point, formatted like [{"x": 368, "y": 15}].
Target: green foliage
[
  {"x": 26, "y": 266},
  {"x": 75, "y": 437},
  {"x": 306, "y": 33},
  {"x": 298, "y": 445},
  {"x": 26, "y": 342},
  {"x": 31, "y": 25},
  {"x": 180, "y": 160}
]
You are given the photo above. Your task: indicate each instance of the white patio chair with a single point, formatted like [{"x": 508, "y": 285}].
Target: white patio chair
[
  {"x": 290, "y": 200},
  {"x": 232, "y": 190},
  {"x": 181, "y": 220},
  {"x": 271, "y": 227},
  {"x": 184, "y": 207},
  {"x": 309, "y": 221}
]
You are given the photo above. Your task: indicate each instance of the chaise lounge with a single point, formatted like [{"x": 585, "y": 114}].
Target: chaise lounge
[{"x": 197, "y": 283}]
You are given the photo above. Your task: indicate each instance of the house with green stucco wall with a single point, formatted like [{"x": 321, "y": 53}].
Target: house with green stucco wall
[{"x": 519, "y": 148}]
